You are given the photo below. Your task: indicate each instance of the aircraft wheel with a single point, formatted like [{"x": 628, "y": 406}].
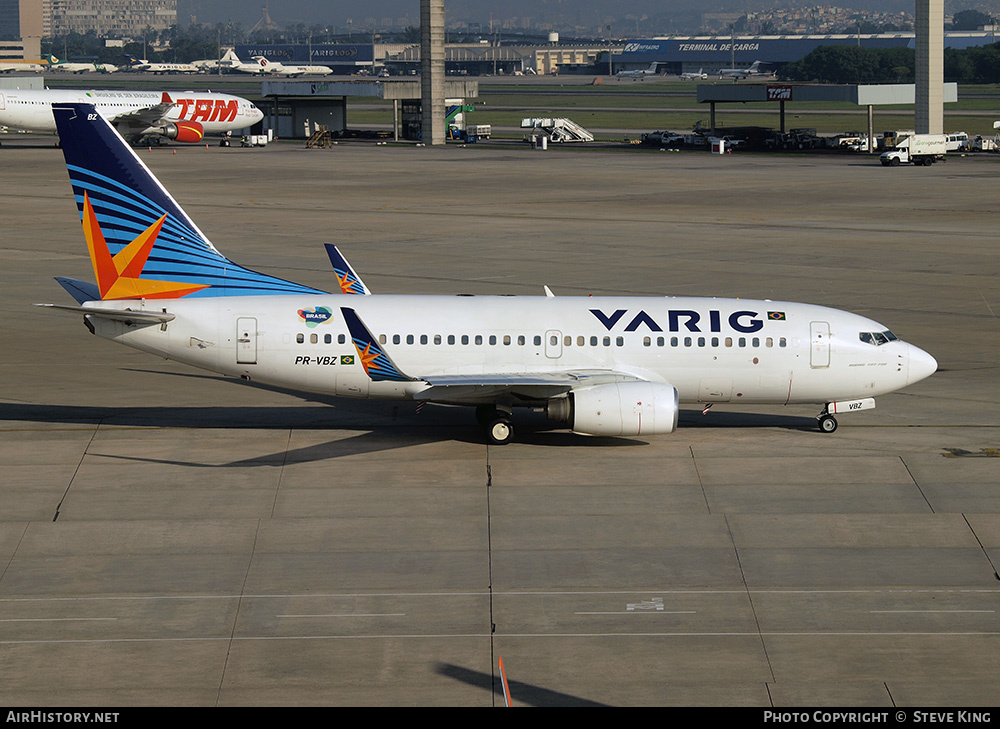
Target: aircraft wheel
[
  {"x": 827, "y": 423},
  {"x": 500, "y": 432}
]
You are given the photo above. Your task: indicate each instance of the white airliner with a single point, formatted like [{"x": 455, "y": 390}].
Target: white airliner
[
  {"x": 137, "y": 64},
  {"x": 616, "y": 366},
  {"x": 691, "y": 75},
  {"x": 186, "y": 117},
  {"x": 87, "y": 67},
  {"x": 737, "y": 73},
  {"x": 279, "y": 69},
  {"x": 19, "y": 66},
  {"x": 640, "y": 73}
]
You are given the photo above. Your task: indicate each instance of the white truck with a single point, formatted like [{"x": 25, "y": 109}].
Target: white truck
[{"x": 920, "y": 149}]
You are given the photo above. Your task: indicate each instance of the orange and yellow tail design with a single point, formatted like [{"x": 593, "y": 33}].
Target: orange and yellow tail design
[{"x": 118, "y": 275}]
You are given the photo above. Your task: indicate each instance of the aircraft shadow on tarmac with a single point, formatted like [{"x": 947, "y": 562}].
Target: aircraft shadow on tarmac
[{"x": 523, "y": 693}]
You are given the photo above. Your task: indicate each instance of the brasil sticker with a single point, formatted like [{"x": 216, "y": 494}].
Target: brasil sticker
[
  {"x": 314, "y": 317},
  {"x": 776, "y": 315}
]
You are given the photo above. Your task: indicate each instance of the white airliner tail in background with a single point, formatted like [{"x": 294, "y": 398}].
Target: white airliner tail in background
[{"x": 614, "y": 366}]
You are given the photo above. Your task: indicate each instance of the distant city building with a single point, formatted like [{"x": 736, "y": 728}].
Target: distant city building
[
  {"x": 110, "y": 17},
  {"x": 21, "y": 28}
]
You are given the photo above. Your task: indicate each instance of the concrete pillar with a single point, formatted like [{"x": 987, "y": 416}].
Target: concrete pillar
[
  {"x": 929, "y": 92},
  {"x": 432, "y": 121}
]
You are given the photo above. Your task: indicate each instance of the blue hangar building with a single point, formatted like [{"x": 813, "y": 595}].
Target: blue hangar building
[{"x": 678, "y": 54}]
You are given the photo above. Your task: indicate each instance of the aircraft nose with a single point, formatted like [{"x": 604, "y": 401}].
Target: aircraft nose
[{"x": 922, "y": 365}]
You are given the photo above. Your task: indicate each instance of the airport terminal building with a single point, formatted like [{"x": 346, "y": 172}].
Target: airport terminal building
[
  {"x": 711, "y": 53},
  {"x": 676, "y": 54}
]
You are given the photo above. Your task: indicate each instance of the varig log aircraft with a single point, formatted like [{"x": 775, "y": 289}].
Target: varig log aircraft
[
  {"x": 186, "y": 116},
  {"x": 603, "y": 365}
]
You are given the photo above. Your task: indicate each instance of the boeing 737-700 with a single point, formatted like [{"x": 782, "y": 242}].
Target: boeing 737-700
[
  {"x": 603, "y": 365},
  {"x": 186, "y": 117}
]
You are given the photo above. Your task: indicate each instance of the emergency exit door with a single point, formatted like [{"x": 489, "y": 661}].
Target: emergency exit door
[
  {"x": 246, "y": 340},
  {"x": 819, "y": 352}
]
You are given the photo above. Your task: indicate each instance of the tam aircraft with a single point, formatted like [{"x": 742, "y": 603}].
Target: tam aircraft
[
  {"x": 185, "y": 117},
  {"x": 615, "y": 366}
]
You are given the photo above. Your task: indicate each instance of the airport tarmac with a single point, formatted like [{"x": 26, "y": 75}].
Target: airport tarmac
[{"x": 170, "y": 537}]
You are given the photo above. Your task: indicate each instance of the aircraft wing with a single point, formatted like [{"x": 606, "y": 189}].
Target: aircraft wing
[
  {"x": 476, "y": 386},
  {"x": 148, "y": 116},
  {"x": 520, "y": 385}
]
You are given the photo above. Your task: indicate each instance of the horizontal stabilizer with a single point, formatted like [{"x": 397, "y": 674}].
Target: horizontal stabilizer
[
  {"x": 126, "y": 315},
  {"x": 80, "y": 290}
]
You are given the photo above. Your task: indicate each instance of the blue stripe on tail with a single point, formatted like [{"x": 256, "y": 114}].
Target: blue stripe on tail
[{"x": 127, "y": 199}]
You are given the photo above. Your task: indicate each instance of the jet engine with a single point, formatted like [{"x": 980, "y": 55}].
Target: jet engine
[
  {"x": 183, "y": 131},
  {"x": 621, "y": 408}
]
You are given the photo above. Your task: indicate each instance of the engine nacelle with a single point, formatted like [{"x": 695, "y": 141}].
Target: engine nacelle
[
  {"x": 623, "y": 408},
  {"x": 184, "y": 131}
]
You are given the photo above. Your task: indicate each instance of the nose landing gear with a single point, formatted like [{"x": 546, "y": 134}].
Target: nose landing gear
[{"x": 826, "y": 422}]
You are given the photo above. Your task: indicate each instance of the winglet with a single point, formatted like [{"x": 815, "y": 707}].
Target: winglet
[
  {"x": 347, "y": 278},
  {"x": 165, "y": 99},
  {"x": 378, "y": 366}
]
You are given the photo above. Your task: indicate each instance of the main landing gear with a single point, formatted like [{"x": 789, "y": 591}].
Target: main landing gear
[
  {"x": 497, "y": 424},
  {"x": 826, "y": 422}
]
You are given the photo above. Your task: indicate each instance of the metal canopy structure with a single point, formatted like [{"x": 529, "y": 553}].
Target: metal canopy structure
[
  {"x": 869, "y": 95},
  {"x": 325, "y": 102}
]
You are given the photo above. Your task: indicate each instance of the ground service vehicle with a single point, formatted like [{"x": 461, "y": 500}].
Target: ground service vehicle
[{"x": 920, "y": 149}]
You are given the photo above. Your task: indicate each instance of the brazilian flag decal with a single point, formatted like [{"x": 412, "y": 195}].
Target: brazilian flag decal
[
  {"x": 347, "y": 359},
  {"x": 776, "y": 315}
]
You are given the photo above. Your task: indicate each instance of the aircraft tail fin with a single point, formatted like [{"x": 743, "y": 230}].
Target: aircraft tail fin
[
  {"x": 378, "y": 366},
  {"x": 349, "y": 281},
  {"x": 142, "y": 243}
]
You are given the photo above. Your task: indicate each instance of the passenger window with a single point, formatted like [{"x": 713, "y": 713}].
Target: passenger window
[
  {"x": 327, "y": 339},
  {"x": 769, "y": 342},
  {"x": 395, "y": 339},
  {"x": 341, "y": 338},
  {"x": 313, "y": 338},
  {"x": 506, "y": 340},
  {"x": 493, "y": 339},
  {"x": 451, "y": 339},
  {"x": 673, "y": 341},
  {"x": 743, "y": 341},
  {"x": 409, "y": 339},
  {"x": 567, "y": 340},
  {"x": 553, "y": 340},
  {"x": 659, "y": 341},
  {"x": 715, "y": 341},
  {"x": 593, "y": 341},
  {"x": 423, "y": 339},
  {"x": 607, "y": 341},
  {"x": 687, "y": 341},
  {"x": 580, "y": 341},
  {"x": 300, "y": 337},
  {"x": 537, "y": 340},
  {"x": 646, "y": 341},
  {"x": 755, "y": 341},
  {"x": 381, "y": 339},
  {"x": 465, "y": 339},
  {"x": 520, "y": 340},
  {"x": 782, "y": 342},
  {"x": 479, "y": 339},
  {"x": 701, "y": 341},
  {"x": 620, "y": 341},
  {"x": 729, "y": 341},
  {"x": 437, "y": 339}
]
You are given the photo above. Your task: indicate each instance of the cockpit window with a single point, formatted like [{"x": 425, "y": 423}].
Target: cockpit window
[{"x": 877, "y": 339}]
